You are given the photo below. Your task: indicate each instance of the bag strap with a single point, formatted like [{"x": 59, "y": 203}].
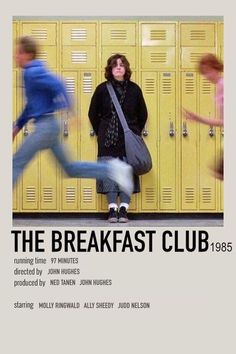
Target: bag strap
[{"x": 117, "y": 107}]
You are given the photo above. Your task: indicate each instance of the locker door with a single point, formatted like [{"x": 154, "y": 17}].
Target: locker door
[
  {"x": 48, "y": 55},
  {"x": 221, "y": 130},
  {"x": 88, "y": 144},
  {"x": 221, "y": 40},
  {"x": 207, "y": 147},
  {"x": 149, "y": 195},
  {"x": 189, "y": 160},
  {"x": 222, "y": 183},
  {"x": 116, "y": 34},
  {"x": 30, "y": 179},
  {"x": 70, "y": 137},
  {"x": 79, "y": 57},
  {"x": 190, "y": 56},
  {"x": 167, "y": 141},
  {"x": 15, "y": 34},
  {"x": 46, "y": 35},
  {"x": 158, "y": 34},
  {"x": 14, "y": 92},
  {"x": 158, "y": 58},
  {"x": 81, "y": 34},
  {"x": 197, "y": 34},
  {"x": 48, "y": 182},
  {"x": 44, "y": 32}
]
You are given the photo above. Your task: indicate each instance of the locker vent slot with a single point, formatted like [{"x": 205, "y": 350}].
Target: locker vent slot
[
  {"x": 30, "y": 194},
  {"x": 118, "y": 34},
  {"x": 206, "y": 195},
  {"x": 70, "y": 195},
  {"x": 47, "y": 194},
  {"x": 79, "y": 57},
  {"x": 197, "y": 35},
  {"x": 195, "y": 58},
  {"x": 149, "y": 86},
  {"x": 149, "y": 195},
  {"x": 40, "y": 34},
  {"x": 206, "y": 87},
  {"x": 189, "y": 86},
  {"x": 160, "y": 58},
  {"x": 87, "y": 83},
  {"x": 189, "y": 195},
  {"x": 43, "y": 56},
  {"x": 158, "y": 35},
  {"x": 78, "y": 34},
  {"x": 87, "y": 195},
  {"x": 166, "y": 86},
  {"x": 167, "y": 195},
  {"x": 70, "y": 84}
]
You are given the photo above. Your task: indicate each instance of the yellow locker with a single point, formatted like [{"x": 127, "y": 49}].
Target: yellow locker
[
  {"x": 189, "y": 149},
  {"x": 30, "y": 179},
  {"x": 70, "y": 137},
  {"x": 79, "y": 34},
  {"x": 14, "y": 92},
  {"x": 149, "y": 197},
  {"x": 197, "y": 34},
  {"x": 190, "y": 56},
  {"x": 15, "y": 35},
  {"x": 167, "y": 141},
  {"x": 221, "y": 40},
  {"x": 158, "y": 58},
  {"x": 207, "y": 146},
  {"x": 129, "y": 52},
  {"x": 44, "y": 32},
  {"x": 48, "y": 55},
  {"x": 221, "y": 183},
  {"x": 158, "y": 34},
  {"x": 117, "y": 34},
  {"x": 48, "y": 182},
  {"x": 77, "y": 57},
  {"x": 88, "y": 147}
]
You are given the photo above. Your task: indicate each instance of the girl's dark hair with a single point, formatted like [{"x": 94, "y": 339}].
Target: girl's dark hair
[
  {"x": 28, "y": 45},
  {"x": 111, "y": 63},
  {"x": 211, "y": 61}
]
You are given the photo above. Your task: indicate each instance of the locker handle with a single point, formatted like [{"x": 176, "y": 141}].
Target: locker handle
[
  {"x": 66, "y": 130},
  {"x": 92, "y": 132},
  {"x": 25, "y": 130},
  {"x": 145, "y": 132},
  {"x": 211, "y": 132},
  {"x": 185, "y": 130},
  {"x": 222, "y": 132},
  {"x": 172, "y": 131}
]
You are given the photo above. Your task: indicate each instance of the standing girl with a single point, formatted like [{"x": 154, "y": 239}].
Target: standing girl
[{"x": 108, "y": 129}]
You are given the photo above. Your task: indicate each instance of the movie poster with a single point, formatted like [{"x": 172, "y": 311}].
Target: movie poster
[{"x": 85, "y": 267}]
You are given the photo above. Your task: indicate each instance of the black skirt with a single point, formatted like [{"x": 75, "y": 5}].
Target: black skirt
[{"x": 106, "y": 185}]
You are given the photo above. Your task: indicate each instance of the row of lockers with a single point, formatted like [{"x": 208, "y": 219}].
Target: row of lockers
[
  {"x": 153, "y": 45},
  {"x": 179, "y": 181}
]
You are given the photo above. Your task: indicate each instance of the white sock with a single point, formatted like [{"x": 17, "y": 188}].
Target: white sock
[
  {"x": 113, "y": 205},
  {"x": 124, "y": 205}
]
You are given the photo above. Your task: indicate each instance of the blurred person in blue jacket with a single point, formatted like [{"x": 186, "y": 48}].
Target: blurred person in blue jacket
[{"x": 45, "y": 94}]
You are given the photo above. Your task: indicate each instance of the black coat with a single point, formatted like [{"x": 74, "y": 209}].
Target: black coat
[{"x": 134, "y": 109}]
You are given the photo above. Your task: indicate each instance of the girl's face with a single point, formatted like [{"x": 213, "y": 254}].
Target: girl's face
[
  {"x": 118, "y": 71},
  {"x": 210, "y": 74}
]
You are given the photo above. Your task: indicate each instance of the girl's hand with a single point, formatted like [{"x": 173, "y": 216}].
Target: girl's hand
[{"x": 190, "y": 115}]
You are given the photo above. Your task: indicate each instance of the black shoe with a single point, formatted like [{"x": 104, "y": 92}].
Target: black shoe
[
  {"x": 123, "y": 215},
  {"x": 113, "y": 215}
]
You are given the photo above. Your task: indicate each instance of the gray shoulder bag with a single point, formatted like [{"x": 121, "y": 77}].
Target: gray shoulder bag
[{"x": 137, "y": 153}]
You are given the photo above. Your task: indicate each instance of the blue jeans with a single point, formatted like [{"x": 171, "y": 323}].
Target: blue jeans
[{"x": 46, "y": 136}]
